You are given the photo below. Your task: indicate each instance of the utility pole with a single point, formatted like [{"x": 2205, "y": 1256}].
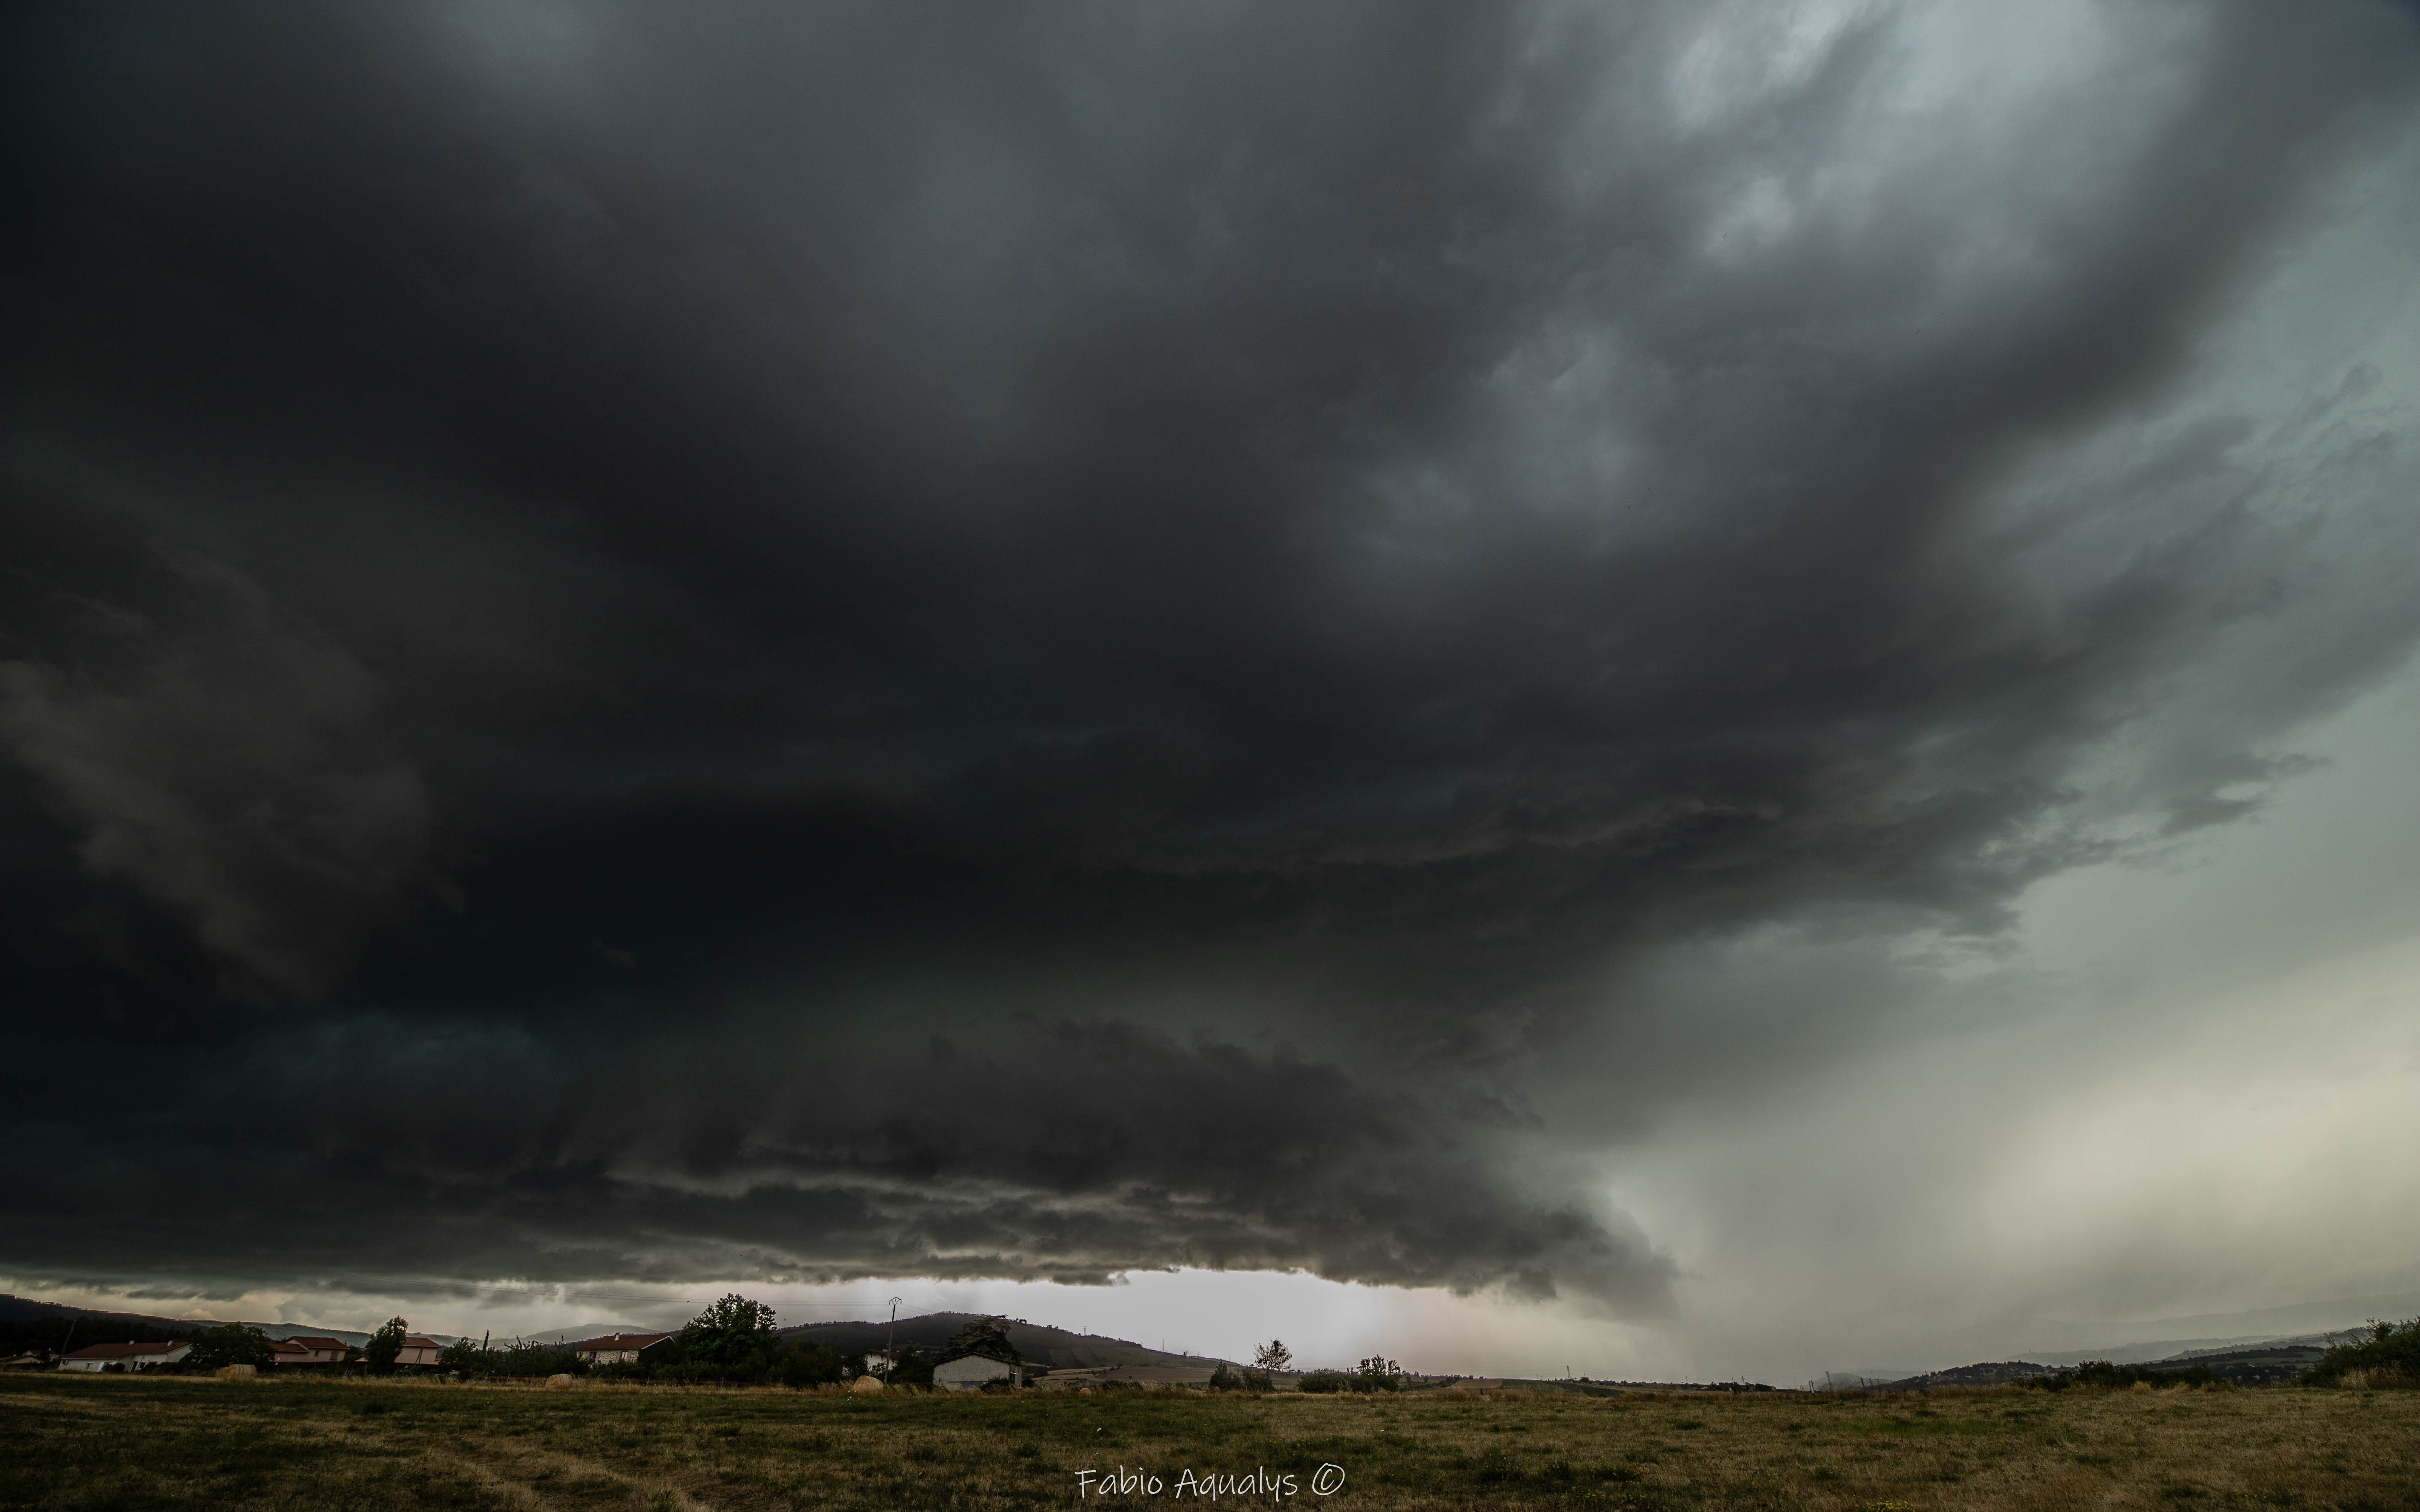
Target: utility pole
[{"x": 890, "y": 1351}]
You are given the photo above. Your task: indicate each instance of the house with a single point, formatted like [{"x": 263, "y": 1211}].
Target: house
[
  {"x": 323, "y": 1351},
  {"x": 878, "y": 1362},
  {"x": 418, "y": 1351},
  {"x": 307, "y": 1348},
  {"x": 617, "y": 1349},
  {"x": 969, "y": 1371},
  {"x": 124, "y": 1356}
]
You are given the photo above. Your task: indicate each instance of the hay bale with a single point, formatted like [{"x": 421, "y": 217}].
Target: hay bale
[
  {"x": 235, "y": 1372},
  {"x": 562, "y": 1383},
  {"x": 866, "y": 1386}
]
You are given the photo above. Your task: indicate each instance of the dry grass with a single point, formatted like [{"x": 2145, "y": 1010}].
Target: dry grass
[{"x": 143, "y": 1444}]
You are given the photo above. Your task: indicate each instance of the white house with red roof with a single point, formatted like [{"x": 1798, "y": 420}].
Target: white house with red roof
[
  {"x": 307, "y": 1349},
  {"x": 617, "y": 1349},
  {"x": 95, "y": 1357}
]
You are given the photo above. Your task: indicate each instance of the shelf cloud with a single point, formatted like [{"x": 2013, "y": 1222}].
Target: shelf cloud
[{"x": 1037, "y": 640}]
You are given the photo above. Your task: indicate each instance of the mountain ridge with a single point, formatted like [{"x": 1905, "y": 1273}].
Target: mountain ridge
[{"x": 1058, "y": 1347}]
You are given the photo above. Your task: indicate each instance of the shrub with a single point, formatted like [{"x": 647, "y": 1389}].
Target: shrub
[
  {"x": 472, "y": 1360},
  {"x": 2117, "y": 1376},
  {"x": 2389, "y": 1357},
  {"x": 805, "y": 1363},
  {"x": 229, "y": 1344},
  {"x": 1325, "y": 1380}
]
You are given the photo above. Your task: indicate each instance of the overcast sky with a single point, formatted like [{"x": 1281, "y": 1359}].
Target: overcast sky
[{"x": 1668, "y": 689}]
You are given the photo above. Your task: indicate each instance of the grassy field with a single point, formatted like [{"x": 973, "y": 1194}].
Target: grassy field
[{"x": 191, "y": 1444}]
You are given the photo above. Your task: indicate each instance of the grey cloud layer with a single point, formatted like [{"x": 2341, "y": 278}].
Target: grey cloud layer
[{"x": 689, "y": 560}]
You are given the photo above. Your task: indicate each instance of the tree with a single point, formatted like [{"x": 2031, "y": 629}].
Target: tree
[
  {"x": 229, "y": 1344},
  {"x": 1274, "y": 1355},
  {"x": 1378, "y": 1373},
  {"x": 467, "y": 1357},
  {"x": 385, "y": 1345},
  {"x": 733, "y": 1339},
  {"x": 984, "y": 1337},
  {"x": 808, "y": 1364}
]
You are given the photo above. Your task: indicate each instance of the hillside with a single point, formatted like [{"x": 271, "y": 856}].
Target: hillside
[
  {"x": 1054, "y": 1346},
  {"x": 29, "y": 1324},
  {"x": 2266, "y": 1365}
]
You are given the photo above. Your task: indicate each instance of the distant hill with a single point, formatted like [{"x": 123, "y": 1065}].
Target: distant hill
[
  {"x": 2269, "y": 1364},
  {"x": 1054, "y": 1346},
  {"x": 29, "y": 1324},
  {"x": 1987, "y": 1373},
  {"x": 26, "y": 1324}
]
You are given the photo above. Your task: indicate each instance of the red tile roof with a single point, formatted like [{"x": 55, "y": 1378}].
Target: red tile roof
[{"x": 121, "y": 1351}]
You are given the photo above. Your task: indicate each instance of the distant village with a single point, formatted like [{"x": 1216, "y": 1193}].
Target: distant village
[
  {"x": 734, "y": 1341},
  {"x": 304, "y": 1351}
]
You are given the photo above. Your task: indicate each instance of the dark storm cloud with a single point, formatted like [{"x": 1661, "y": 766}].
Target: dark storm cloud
[
  {"x": 1101, "y": 1145},
  {"x": 1029, "y": 640}
]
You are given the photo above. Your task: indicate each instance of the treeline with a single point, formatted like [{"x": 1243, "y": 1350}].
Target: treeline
[
  {"x": 732, "y": 1340},
  {"x": 2104, "y": 1374},
  {"x": 2389, "y": 1357},
  {"x": 1373, "y": 1374}
]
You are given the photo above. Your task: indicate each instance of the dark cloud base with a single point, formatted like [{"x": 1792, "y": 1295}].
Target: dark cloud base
[{"x": 811, "y": 645}]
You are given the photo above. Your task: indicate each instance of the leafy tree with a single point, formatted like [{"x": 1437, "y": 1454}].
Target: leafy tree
[
  {"x": 230, "y": 1343},
  {"x": 915, "y": 1369},
  {"x": 385, "y": 1345},
  {"x": 1378, "y": 1373},
  {"x": 732, "y": 1339},
  {"x": 472, "y": 1357},
  {"x": 984, "y": 1337},
  {"x": 807, "y": 1364},
  {"x": 1274, "y": 1355}
]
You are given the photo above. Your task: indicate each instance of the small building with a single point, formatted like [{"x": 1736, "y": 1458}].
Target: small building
[
  {"x": 879, "y": 1363},
  {"x": 309, "y": 1349},
  {"x": 617, "y": 1349},
  {"x": 418, "y": 1351},
  {"x": 970, "y": 1371},
  {"x": 93, "y": 1357}
]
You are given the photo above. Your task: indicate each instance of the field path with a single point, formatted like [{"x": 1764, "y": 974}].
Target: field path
[{"x": 517, "y": 1471}]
